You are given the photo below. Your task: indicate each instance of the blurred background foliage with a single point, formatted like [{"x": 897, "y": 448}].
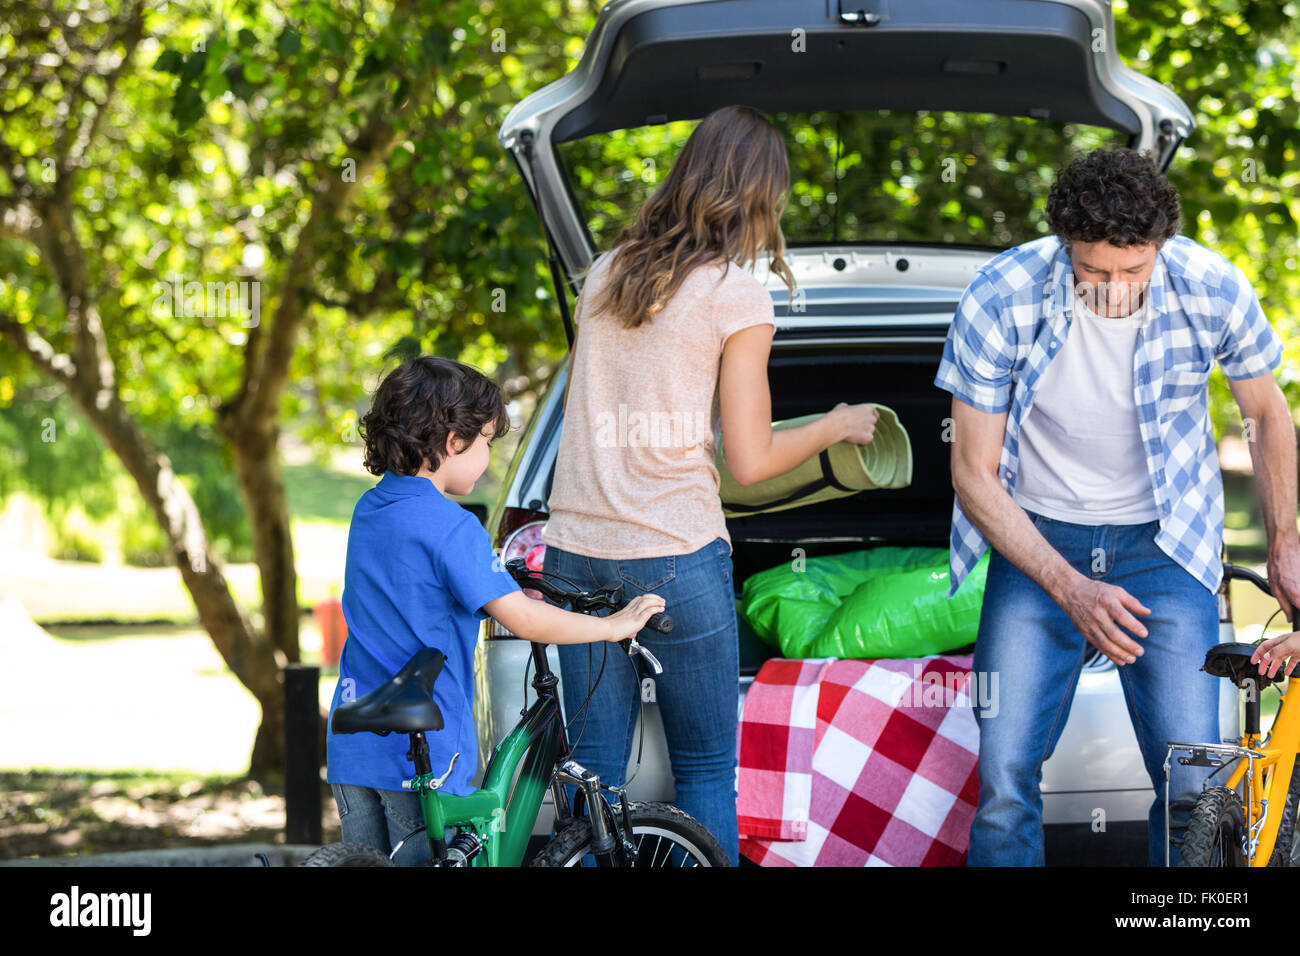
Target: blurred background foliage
[
  {"x": 222, "y": 123},
  {"x": 867, "y": 176}
]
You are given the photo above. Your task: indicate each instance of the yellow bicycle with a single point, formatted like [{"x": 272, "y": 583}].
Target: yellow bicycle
[{"x": 1250, "y": 820}]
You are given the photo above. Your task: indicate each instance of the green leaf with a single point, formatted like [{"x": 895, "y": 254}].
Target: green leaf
[
  {"x": 435, "y": 45},
  {"x": 428, "y": 171},
  {"x": 242, "y": 89},
  {"x": 169, "y": 61},
  {"x": 193, "y": 65},
  {"x": 404, "y": 256},
  {"x": 288, "y": 42},
  {"x": 187, "y": 105},
  {"x": 332, "y": 39},
  {"x": 215, "y": 85},
  {"x": 372, "y": 64}
]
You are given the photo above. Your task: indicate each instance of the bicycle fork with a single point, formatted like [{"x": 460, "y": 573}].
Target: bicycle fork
[{"x": 605, "y": 842}]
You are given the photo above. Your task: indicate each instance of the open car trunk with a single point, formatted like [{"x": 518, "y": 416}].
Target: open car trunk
[
  {"x": 651, "y": 62},
  {"x": 899, "y": 375}
]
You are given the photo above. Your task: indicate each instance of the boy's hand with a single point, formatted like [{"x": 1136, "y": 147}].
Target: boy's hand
[
  {"x": 628, "y": 622},
  {"x": 1271, "y": 653}
]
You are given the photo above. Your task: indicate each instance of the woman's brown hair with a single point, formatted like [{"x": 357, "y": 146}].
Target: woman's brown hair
[{"x": 722, "y": 200}]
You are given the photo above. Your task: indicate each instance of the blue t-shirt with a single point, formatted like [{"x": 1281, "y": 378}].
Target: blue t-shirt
[{"x": 419, "y": 569}]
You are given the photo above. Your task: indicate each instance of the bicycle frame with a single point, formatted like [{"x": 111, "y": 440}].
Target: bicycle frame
[
  {"x": 1270, "y": 777},
  {"x": 501, "y": 813},
  {"x": 1266, "y": 766},
  {"x": 501, "y": 817}
]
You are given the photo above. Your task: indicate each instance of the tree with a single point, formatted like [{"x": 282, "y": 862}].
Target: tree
[{"x": 186, "y": 200}]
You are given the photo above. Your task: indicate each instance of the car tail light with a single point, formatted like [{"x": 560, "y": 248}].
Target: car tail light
[
  {"x": 520, "y": 536},
  {"x": 512, "y": 519}
]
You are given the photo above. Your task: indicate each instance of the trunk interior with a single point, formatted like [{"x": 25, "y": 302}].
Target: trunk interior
[{"x": 900, "y": 376}]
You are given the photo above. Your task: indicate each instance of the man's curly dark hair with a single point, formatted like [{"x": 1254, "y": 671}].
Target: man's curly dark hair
[
  {"x": 419, "y": 404},
  {"x": 1113, "y": 194}
]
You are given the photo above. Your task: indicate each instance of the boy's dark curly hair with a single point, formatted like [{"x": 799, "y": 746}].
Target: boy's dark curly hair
[
  {"x": 1113, "y": 194},
  {"x": 419, "y": 404}
]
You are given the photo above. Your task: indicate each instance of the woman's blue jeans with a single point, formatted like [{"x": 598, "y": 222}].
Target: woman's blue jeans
[
  {"x": 697, "y": 693},
  {"x": 1033, "y": 647}
]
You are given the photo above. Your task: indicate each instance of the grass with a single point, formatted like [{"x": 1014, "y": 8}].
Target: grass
[{"x": 317, "y": 493}]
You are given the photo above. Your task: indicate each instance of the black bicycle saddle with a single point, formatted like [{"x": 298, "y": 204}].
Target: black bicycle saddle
[
  {"x": 404, "y": 704},
  {"x": 1233, "y": 662}
]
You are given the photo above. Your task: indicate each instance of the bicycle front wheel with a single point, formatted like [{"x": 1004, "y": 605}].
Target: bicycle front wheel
[
  {"x": 1216, "y": 831},
  {"x": 663, "y": 835}
]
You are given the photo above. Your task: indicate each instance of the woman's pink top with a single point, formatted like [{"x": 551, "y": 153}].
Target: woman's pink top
[{"x": 635, "y": 475}]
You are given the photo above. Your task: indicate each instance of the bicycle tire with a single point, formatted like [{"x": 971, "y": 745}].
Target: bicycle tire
[
  {"x": 1215, "y": 830},
  {"x": 1284, "y": 850},
  {"x": 669, "y": 826},
  {"x": 346, "y": 854}
]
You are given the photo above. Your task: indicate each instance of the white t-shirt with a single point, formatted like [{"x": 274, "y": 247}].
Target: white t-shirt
[{"x": 1081, "y": 455}]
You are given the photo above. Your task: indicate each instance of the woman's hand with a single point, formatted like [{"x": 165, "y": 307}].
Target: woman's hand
[
  {"x": 856, "y": 423},
  {"x": 628, "y": 620},
  {"x": 1272, "y": 653}
]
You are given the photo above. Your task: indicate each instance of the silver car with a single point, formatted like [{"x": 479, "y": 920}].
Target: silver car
[{"x": 923, "y": 137}]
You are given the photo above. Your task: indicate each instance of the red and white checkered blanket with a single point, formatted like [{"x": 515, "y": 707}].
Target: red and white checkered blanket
[{"x": 858, "y": 763}]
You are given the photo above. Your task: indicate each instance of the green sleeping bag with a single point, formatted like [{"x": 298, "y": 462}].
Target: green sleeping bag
[{"x": 886, "y": 602}]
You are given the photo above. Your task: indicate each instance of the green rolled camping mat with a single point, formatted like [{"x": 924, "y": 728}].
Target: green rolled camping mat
[{"x": 843, "y": 469}]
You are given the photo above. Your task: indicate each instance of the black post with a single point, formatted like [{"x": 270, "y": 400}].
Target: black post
[{"x": 302, "y": 802}]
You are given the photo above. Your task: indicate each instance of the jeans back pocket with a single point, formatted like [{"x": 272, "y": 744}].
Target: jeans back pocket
[{"x": 648, "y": 573}]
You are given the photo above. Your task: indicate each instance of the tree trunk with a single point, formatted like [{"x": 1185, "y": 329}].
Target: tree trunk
[
  {"x": 257, "y": 467},
  {"x": 254, "y": 661}
]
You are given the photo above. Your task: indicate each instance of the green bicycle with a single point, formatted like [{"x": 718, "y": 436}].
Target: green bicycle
[{"x": 493, "y": 824}]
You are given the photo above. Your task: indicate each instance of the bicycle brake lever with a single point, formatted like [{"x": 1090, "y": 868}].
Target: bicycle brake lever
[
  {"x": 437, "y": 784},
  {"x": 637, "y": 648}
]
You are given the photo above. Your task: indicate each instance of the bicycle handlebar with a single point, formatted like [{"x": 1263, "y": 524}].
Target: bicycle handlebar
[
  {"x": 584, "y": 602},
  {"x": 1231, "y": 571}
]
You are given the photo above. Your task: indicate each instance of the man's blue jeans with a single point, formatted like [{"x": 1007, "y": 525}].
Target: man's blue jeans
[
  {"x": 1032, "y": 645},
  {"x": 697, "y": 694}
]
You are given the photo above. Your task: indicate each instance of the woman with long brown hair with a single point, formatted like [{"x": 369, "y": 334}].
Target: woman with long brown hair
[{"x": 673, "y": 337}]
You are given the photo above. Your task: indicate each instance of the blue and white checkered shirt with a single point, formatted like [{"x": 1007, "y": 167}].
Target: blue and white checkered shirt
[{"x": 1015, "y": 316}]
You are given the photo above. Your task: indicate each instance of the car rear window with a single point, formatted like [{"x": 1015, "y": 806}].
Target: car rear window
[{"x": 866, "y": 176}]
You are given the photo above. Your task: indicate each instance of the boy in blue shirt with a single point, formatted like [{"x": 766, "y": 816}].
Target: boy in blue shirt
[{"x": 421, "y": 571}]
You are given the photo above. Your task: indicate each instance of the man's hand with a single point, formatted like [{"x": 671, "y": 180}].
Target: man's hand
[
  {"x": 1099, "y": 610},
  {"x": 1284, "y": 577}
]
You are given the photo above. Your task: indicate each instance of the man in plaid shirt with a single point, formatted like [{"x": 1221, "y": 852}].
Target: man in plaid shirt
[{"x": 1083, "y": 455}]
